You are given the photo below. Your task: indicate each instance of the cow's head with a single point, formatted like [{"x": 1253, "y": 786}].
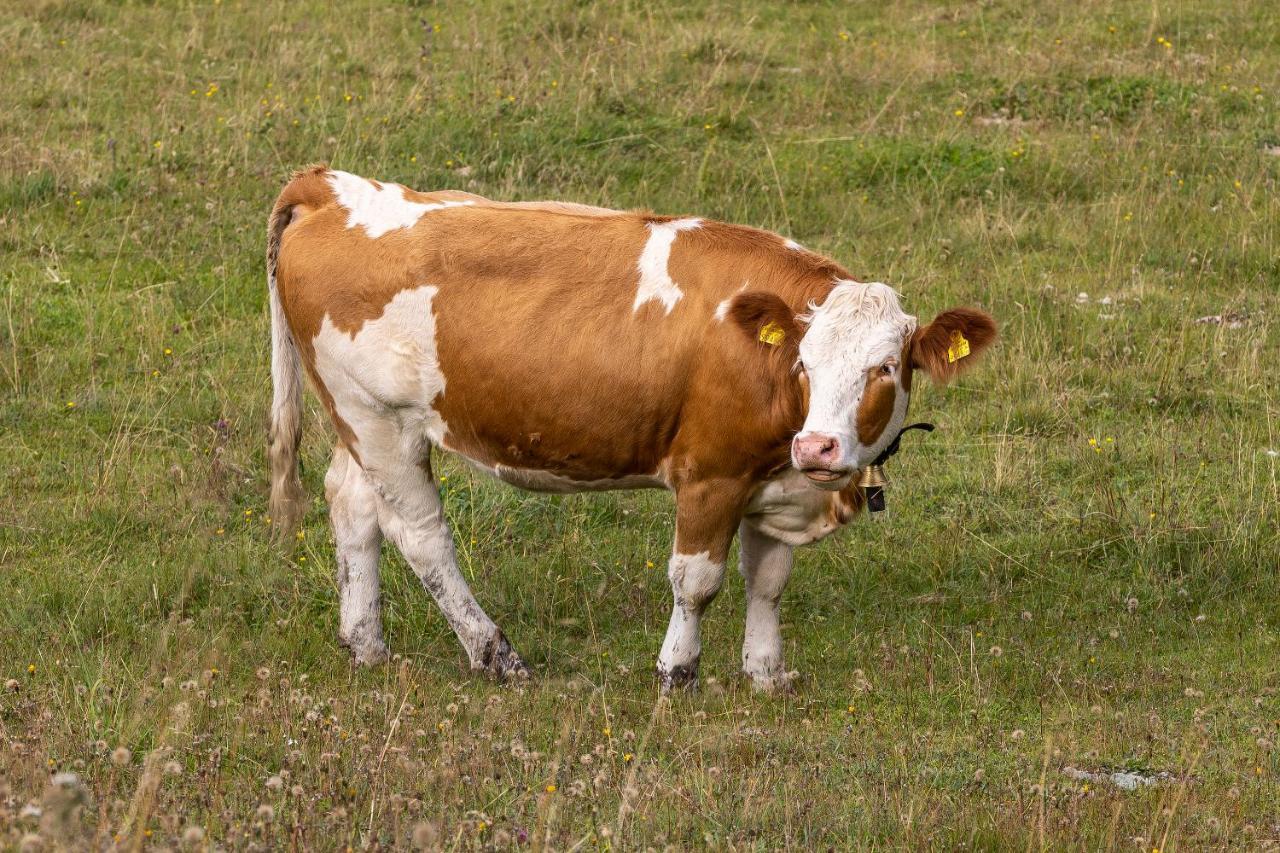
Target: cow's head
[{"x": 858, "y": 353}]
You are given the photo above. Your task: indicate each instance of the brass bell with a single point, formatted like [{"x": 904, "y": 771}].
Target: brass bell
[
  {"x": 873, "y": 483},
  {"x": 873, "y": 477}
]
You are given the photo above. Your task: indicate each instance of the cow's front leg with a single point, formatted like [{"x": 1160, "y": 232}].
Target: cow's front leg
[
  {"x": 706, "y": 515},
  {"x": 765, "y": 564}
]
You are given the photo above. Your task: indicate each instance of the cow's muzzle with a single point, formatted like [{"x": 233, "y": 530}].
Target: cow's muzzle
[{"x": 821, "y": 458}]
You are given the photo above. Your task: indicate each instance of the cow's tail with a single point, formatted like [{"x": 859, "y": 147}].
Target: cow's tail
[{"x": 288, "y": 501}]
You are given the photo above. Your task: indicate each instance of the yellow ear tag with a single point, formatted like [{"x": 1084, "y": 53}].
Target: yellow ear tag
[
  {"x": 959, "y": 347},
  {"x": 771, "y": 333}
]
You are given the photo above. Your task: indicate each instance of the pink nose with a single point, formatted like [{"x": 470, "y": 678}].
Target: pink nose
[{"x": 816, "y": 450}]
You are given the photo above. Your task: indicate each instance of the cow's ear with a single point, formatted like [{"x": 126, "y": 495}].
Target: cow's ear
[
  {"x": 766, "y": 320},
  {"x": 952, "y": 342}
]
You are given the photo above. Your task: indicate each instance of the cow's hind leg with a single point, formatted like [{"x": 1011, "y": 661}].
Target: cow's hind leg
[
  {"x": 765, "y": 564},
  {"x": 412, "y": 516},
  {"x": 353, "y": 511},
  {"x": 706, "y": 515}
]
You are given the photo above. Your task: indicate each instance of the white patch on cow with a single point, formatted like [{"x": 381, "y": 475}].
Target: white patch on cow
[
  {"x": 695, "y": 580},
  {"x": 791, "y": 509},
  {"x": 722, "y": 310},
  {"x": 380, "y": 208},
  {"x": 855, "y": 329},
  {"x": 536, "y": 480},
  {"x": 389, "y": 369},
  {"x": 792, "y": 245},
  {"x": 655, "y": 280}
]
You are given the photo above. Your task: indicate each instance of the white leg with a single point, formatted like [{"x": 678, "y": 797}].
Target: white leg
[
  {"x": 765, "y": 564},
  {"x": 412, "y": 516},
  {"x": 695, "y": 580},
  {"x": 353, "y": 511}
]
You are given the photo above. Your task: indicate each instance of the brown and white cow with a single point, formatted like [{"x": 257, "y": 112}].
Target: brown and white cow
[{"x": 564, "y": 348}]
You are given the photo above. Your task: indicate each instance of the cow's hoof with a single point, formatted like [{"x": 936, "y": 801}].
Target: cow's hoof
[
  {"x": 774, "y": 683},
  {"x": 501, "y": 661},
  {"x": 366, "y": 651},
  {"x": 684, "y": 676}
]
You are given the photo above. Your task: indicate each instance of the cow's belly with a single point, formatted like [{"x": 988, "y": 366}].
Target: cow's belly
[
  {"x": 790, "y": 510},
  {"x": 538, "y": 480}
]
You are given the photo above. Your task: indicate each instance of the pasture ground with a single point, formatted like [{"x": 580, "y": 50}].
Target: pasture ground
[{"x": 1080, "y": 571}]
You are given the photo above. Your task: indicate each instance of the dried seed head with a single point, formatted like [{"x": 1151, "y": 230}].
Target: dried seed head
[
  {"x": 65, "y": 801},
  {"x": 266, "y": 813},
  {"x": 193, "y": 836},
  {"x": 425, "y": 835},
  {"x": 274, "y": 783},
  {"x": 120, "y": 756}
]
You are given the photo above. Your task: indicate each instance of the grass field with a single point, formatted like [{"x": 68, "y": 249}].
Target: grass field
[{"x": 1080, "y": 573}]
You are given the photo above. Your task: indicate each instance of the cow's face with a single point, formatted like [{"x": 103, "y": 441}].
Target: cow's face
[{"x": 858, "y": 354}]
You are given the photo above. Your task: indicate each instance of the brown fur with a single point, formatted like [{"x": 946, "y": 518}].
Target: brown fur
[{"x": 876, "y": 409}]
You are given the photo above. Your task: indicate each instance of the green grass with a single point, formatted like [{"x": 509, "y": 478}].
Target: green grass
[{"x": 1034, "y": 603}]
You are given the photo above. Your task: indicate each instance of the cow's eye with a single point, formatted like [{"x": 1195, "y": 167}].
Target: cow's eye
[{"x": 886, "y": 369}]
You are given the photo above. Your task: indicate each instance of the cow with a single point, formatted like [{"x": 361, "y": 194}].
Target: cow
[{"x": 564, "y": 348}]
